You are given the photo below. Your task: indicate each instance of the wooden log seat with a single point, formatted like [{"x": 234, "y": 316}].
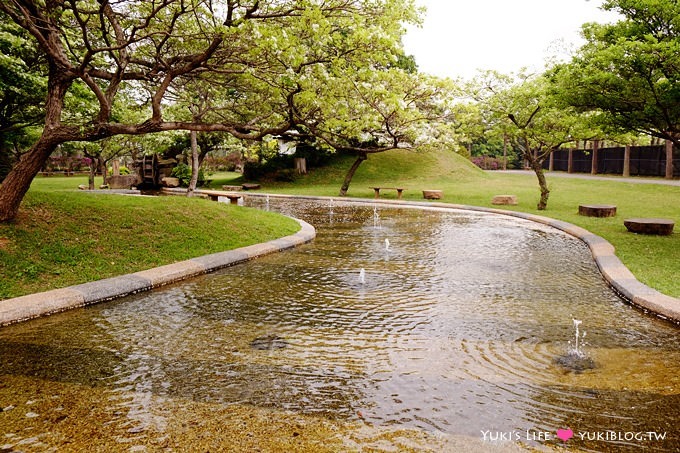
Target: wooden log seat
[
  {"x": 597, "y": 210},
  {"x": 504, "y": 200},
  {"x": 376, "y": 191},
  {"x": 250, "y": 186},
  {"x": 432, "y": 194},
  {"x": 662, "y": 227}
]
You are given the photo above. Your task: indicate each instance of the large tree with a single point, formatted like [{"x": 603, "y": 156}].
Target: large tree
[
  {"x": 23, "y": 84},
  {"x": 146, "y": 48},
  {"x": 526, "y": 110},
  {"x": 629, "y": 71}
]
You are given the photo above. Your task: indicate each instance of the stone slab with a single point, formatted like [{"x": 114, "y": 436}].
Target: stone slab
[
  {"x": 597, "y": 210},
  {"x": 34, "y": 305},
  {"x": 661, "y": 227},
  {"x": 170, "y": 273},
  {"x": 510, "y": 200}
]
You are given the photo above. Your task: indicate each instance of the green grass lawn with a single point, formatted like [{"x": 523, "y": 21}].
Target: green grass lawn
[{"x": 65, "y": 236}]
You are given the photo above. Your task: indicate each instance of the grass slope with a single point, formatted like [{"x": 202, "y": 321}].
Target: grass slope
[{"x": 64, "y": 237}]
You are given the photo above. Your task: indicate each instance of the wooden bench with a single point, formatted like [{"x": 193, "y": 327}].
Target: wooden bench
[
  {"x": 597, "y": 210},
  {"x": 233, "y": 199},
  {"x": 662, "y": 227},
  {"x": 376, "y": 190}
]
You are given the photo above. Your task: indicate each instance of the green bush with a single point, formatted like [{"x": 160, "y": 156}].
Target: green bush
[{"x": 183, "y": 172}]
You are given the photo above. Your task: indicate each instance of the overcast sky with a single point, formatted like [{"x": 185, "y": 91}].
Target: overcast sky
[{"x": 460, "y": 36}]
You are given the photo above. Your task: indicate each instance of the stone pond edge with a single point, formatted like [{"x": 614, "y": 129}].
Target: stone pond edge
[{"x": 49, "y": 302}]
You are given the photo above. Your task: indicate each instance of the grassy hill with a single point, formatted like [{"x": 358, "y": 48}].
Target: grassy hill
[{"x": 413, "y": 170}]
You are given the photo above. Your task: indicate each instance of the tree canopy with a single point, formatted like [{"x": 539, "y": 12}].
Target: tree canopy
[
  {"x": 629, "y": 71},
  {"x": 264, "y": 67}
]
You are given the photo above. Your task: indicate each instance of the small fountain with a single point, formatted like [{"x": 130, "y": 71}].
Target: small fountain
[
  {"x": 376, "y": 217},
  {"x": 267, "y": 202},
  {"x": 576, "y": 359},
  {"x": 387, "y": 244},
  {"x": 362, "y": 276}
]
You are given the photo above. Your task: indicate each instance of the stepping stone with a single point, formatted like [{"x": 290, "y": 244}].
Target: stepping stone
[
  {"x": 504, "y": 200},
  {"x": 597, "y": 210},
  {"x": 662, "y": 227},
  {"x": 433, "y": 194}
]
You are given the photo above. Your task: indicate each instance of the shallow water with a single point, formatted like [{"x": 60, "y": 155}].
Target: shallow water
[{"x": 455, "y": 333}]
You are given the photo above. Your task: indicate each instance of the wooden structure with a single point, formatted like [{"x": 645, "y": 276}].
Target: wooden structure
[
  {"x": 663, "y": 227},
  {"x": 152, "y": 169},
  {"x": 597, "y": 210},
  {"x": 376, "y": 191}
]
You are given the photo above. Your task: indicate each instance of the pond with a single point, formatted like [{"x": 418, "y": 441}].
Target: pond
[{"x": 395, "y": 330}]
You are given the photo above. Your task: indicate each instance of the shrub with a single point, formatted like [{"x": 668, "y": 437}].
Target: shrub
[{"x": 183, "y": 172}]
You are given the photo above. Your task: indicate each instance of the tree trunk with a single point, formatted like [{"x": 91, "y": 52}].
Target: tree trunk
[
  {"x": 537, "y": 166},
  {"x": 101, "y": 164},
  {"x": 18, "y": 181},
  {"x": 350, "y": 174},
  {"x": 92, "y": 172},
  {"x": 593, "y": 161},
  {"x": 669, "y": 159},
  {"x": 194, "y": 165}
]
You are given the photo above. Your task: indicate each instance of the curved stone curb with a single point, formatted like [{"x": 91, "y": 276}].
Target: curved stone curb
[
  {"x": 615, "y": 273},
  {"x": 48, "y": 302}
]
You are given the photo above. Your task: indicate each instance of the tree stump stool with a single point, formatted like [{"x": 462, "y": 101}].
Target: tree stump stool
[
  {"x": 432, "y": 194},
  {"x": 504, "y": 200},
  {"x": 662, "y": 227},
  {"x": 597, "y": 210}
]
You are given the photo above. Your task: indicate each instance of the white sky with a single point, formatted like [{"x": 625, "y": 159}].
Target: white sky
[{"x": 458, "y": 37}]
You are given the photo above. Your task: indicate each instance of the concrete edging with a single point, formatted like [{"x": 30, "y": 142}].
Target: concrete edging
[
  {"x": 615, "y": 273},
  {"x": 49, "y": 302}
]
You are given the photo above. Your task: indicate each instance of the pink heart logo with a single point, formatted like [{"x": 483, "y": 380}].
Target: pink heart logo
[{"x": 565, "y": 434}]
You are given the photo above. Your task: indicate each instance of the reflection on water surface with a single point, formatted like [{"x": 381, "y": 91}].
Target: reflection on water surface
[{"x": 451, "y": 332}]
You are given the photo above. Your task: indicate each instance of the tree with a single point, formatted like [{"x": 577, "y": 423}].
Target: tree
[
  {"x": 532, "y": 118},
  {"x": 22, "y": 90},
  {"x": 144, "y": 49},
  {"x": 377, "y": 111},
  {"x": 628, "y": 72}
]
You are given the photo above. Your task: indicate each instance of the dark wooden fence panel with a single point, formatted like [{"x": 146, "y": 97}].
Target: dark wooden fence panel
[{"x": 644, "y": 160}]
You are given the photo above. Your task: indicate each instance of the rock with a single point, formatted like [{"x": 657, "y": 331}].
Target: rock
[
  {"x": 577, "y": 363},
  {"x": 169, "y": 181},
  {"x": 82, "y": 187},
  {"x": 597, "y": 210},
  {"x": 510, "y": 200},
  {"x": 662, "y": 227},
  {"x": 232, "y": 188},
  {"x": 268, "y": 342},
  {"x": 250, "y": 186},
  {"x": 432, "y": 194},
  {"x": 122, "y": 181}
]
